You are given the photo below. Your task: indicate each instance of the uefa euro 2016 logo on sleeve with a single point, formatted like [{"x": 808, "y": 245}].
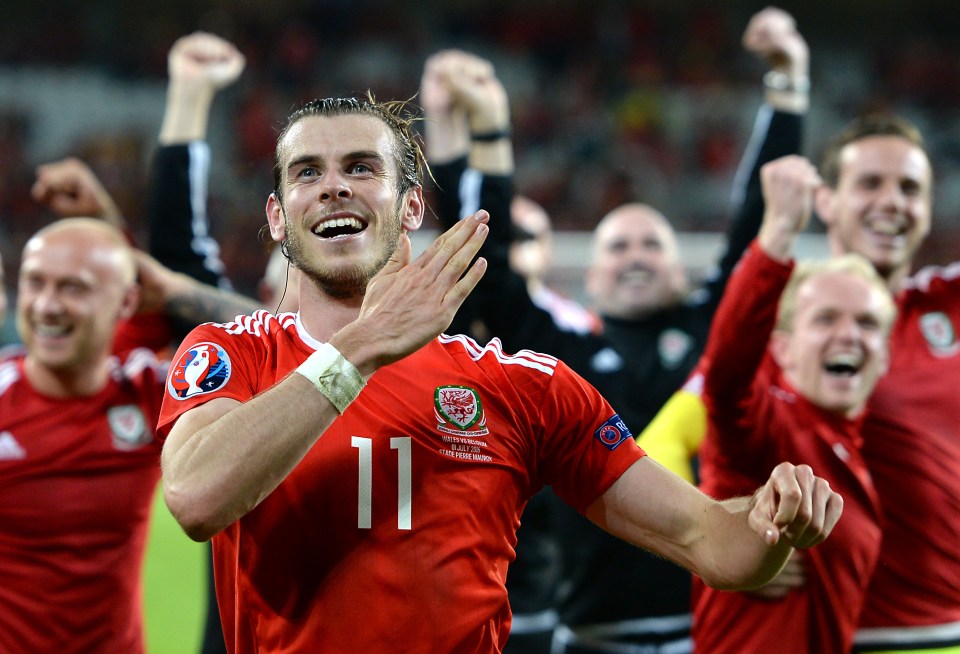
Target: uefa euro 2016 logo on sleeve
[
  {"x": 203, "y": 368},
  {"x": 613, "y": 432}
]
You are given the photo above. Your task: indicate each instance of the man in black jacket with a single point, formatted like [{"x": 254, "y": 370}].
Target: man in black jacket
[{"x": 654, "y": 330}]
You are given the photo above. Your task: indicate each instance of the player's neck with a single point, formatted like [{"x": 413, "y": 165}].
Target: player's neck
[
  {"x": 896, "y": 279},
  {"x": 77, "y": 381},
  {"x": 323, "y": 316}
]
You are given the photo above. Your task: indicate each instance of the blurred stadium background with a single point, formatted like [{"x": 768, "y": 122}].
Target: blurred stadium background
[{"x": 612, "y": 101}]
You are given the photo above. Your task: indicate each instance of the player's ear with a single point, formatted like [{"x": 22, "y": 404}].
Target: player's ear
[
  {"x": 275, "y": 222},
  {"x": 780, "y": 348},
  {"x": 823, "y": 204},
  {"x": 413, "y": 208},
  {"x": 129, "y": 302}
]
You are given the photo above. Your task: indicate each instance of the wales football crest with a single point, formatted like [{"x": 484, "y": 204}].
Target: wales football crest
[
  {"x": 128, "y": 427},
  {"x": 459, "y": 411},
  {"x": 938, "y": 332}
]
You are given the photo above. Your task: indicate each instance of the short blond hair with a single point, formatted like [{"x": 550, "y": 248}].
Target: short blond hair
[{"x": 852, "y": 263}]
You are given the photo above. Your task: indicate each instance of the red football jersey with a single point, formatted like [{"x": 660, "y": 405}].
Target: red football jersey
[
  {"x": 912, "y": 445},
  {"x": 755, "y": 421},
  {"x": 77, "y": 478},
  {"x": 395, "y": 532}
]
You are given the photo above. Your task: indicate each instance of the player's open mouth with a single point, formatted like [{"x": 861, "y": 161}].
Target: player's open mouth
[
  {"x": 887, "y": 230},
  {"x": 843, "y": 365},
  {"x": 333, "y": 227},
  {"x": 51, "y": 331},
  {"x": 637, "y": 276}
]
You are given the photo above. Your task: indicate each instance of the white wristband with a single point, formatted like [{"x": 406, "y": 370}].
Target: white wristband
[{"x": 333, "y": 376}]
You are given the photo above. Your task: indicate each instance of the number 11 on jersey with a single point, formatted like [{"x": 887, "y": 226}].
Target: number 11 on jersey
[{"x": 365, "y": 479}]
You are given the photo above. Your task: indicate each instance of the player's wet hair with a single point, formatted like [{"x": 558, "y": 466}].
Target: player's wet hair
[{"x": 398, "y": 115}]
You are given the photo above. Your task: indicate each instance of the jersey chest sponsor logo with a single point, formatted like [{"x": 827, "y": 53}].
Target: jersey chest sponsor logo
[
  {"x": 613, "y": 432},
  {"x": 939, "y": 334},
  {"x": 128, "y": 427},
  {"x": 203, "y": 368},
  {"x": 459, "y": 411}
]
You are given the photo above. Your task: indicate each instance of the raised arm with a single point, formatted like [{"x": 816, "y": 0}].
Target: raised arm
[
  {"x": 468, "y": 127},
  {"x": 675, "y": 434},
  {"x": 446, "y": 136},
  {"x": 788, "y": 186},
  {"x": 482, "y": 177},
  {"x": 445, "y": 122},
  {"x": 71, "y": 189},
  {"x": 406, "y": 305},
  {"x": 199, "y": 65},
  {"x": 180, "y": 296},
  {"x": 772, "y": 36},
  {"x": 467, "y": 124},
  {"x": 476, "y": 88},
  {"x": 747, "y": 314},
  {"x": 733, "y": 545}
]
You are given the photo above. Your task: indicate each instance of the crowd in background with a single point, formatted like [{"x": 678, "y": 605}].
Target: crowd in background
[
  {"x": 645, "y": 101},
  {"x": 608, "y": 108}
]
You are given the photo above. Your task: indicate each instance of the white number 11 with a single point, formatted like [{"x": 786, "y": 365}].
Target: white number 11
[{"x": 365, "y": 481}]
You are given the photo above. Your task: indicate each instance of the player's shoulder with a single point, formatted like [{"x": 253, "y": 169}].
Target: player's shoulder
[
  {"x": 930, "y": 294},
  {"x": 138, "y": 364},
  {"x": 10, "y": 367},
  {"x": 246, "y": 330},
  {"x": 12, "y": 351},
  {"x": 930, "y": 279},
  {"x": 492, "y": 355},
  {"x": 257, "y": 324}
]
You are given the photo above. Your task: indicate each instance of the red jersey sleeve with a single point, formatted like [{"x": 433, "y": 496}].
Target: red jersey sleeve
[
  {"x": 738, "y": 339},
  {"x": 586, "y": 444},
  {"x": 210, "y": 363}
]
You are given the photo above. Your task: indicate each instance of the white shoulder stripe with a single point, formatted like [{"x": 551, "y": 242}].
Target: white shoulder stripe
[
  {"x": 287, "y": 319},
  {"x": 922, "y": 278},
  {"x": 140, "y": 359},
  {"x": 468, "y": 343},
  {"x": 526, "y": 358},
  {"x": 261, "y": 321},
  {"x": 9, "y": 373},
  {"x": 545, "y": 359}
]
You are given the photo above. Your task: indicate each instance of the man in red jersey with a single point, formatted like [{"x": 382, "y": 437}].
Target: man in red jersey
[
  {"x": 78, "y": 452},
  {"x": 877, "y": 201},
  {"x": 78, "y": 458},
  {"x": 364, "y": 474},
  {"x": 799, "y": 399}
]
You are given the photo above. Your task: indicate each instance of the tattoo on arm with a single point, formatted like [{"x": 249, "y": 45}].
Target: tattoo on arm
[{"x": 203, "y": 303}]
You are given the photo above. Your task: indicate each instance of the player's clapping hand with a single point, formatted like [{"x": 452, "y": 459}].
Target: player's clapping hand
[{"x": 408, "y": 303}]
